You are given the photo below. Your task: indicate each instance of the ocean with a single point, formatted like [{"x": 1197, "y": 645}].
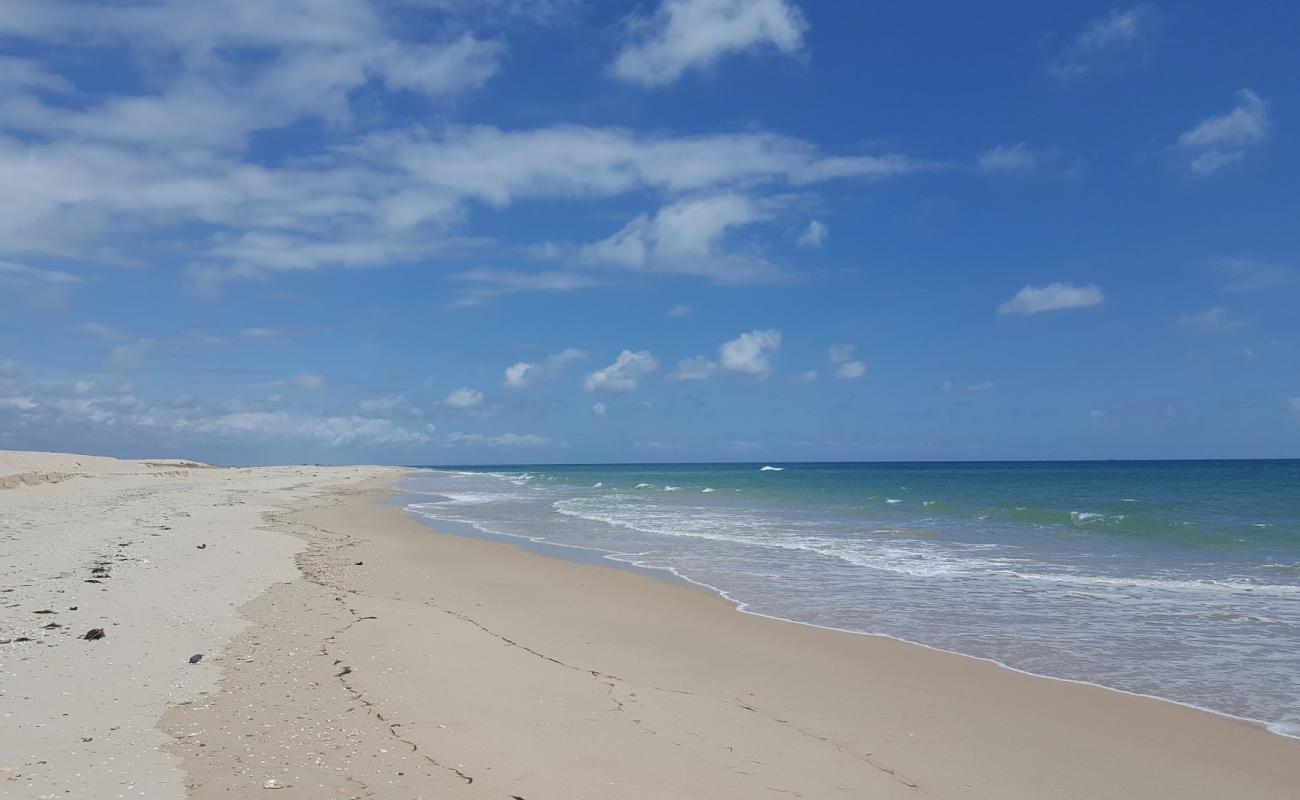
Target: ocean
[{"x": 1179, "y": 580}]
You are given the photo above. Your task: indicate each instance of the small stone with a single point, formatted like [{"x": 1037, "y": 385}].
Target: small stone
[
  {"x": 94, "y": 633},
  {"x": 196, "y": 658}
]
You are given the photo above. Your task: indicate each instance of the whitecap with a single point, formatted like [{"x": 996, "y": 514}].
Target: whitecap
[
  {"x": 598, "y": 485},
  {"x": 770, "y": 468},
  {"x": 644, "y": 486},
  {"x": 672, "y": 488},
  {"x": 705, "y": 490},
  {"x": 892, "y": 501}
]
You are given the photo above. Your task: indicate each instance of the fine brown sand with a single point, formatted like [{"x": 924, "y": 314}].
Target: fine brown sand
[{"x": 405, "y": 663}]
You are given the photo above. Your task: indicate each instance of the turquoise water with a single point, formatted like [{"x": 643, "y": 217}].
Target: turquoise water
[{"x": 1175, "y": 579}]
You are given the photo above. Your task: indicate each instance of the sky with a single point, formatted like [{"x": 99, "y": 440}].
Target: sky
[{"x": 540, "y": 231}]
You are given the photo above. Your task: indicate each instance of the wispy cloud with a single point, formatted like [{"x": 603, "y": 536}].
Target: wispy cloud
[
  {"x": 687, "y": 35},
  {"x": 1052, "y": 297},
  {"x": 847, "y": 366},
  {"x": 1212, "y": 320},
  {"x": 693, "y": 369},
  {"x": 486, "y": 284},
  {"x": 1008, "y": 158},
  {"x": 1219, "y": 141},
  {"x": 1242, "y": 275},
  {"x": 504, "y": 440},
  {"x": 1103, "y": 40}
]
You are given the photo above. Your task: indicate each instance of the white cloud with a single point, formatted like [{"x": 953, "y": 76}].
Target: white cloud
[
  {"x": 599, "y": 409},
  {"x": 486, "y": 284},
  {"x": 1103, "y": 40},
  {"x": 684, "y": 238},
  {"x": 464, "y": 398},
  {"x": 807, "y": 376},
  {"x": 524, "y": 373},
  {"x": 381, "y": 405},
  {"x": 1294, "y": 403},
  {"x": 678, "y": 311},
  {"x": 1052, "y": 297},
  {"x": 307, "y": 380},
  {"x": 847, "y": 367},
  {"x": 505, "y": 440},
  {"x": 695, "y": 34},
  {"x": 693, "y": 369},
  {"x": 850, "y": 370},
  {"x": 1249, "y": 275},
  {"x": 127, "y": 357},
  {"x": 815, "y": 234},
  {"x": 18, "y": 403},
  {"x": 748, "y": 353},
  {"x": 1014, "y": 158},
  {"x": 181, "y": 417},
  {"x": 327, "y": 431},
  {"x": 1212, "y": 320},
  {"x": 1219, "y": 141},
  {"x": 979, "y": 387},
  {"x": 22, "y": 274},
  {"x": 624, "y": 374}
]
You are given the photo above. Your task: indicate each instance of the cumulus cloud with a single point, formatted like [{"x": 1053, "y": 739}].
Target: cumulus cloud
[
  {"x": 979, "y": 387},
  {"x": 749, "y": 352},
  {"x": 678, "y": 311},
  {"x": 684, "y": 237},
  {"x": 1013, "y": 158},
  {"x": 1212, "y": 320},
  {"x": 1219, "y": 141},
  {"x": 847, "y": 367},
  {"x": 693, "y": 369},
  {"x": 807, "y": 376},
  {"x": 815, "y": 234},
  {"x": 1052, "y": 297},
  {"x": 599, "y": 409},
  {"x": 623, "y": 375},
  {"x": 684, "y": 35},
  {"x": 1103, "y": 40},
  {"x": 505, "y": 440},
  {"x": 1294, "y": 404},
  {"x": 524, "y": 373},
  {"x": 464, "y": 398}
]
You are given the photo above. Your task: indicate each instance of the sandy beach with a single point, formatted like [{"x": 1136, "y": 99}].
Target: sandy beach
[{"x": 349, "y": 651}]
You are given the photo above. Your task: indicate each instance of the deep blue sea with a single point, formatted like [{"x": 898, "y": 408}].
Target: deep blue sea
[{"x": 1174, "y": 579}]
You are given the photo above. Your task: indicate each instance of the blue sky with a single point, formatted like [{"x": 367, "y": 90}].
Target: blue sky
[{"x": 443, "y": 231}]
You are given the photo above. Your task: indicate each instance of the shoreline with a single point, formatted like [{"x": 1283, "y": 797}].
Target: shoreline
[
  {"x": 371, "y": 655},
  {"x": 610, "y": 559},
  {"x": 454, "y": 662}
]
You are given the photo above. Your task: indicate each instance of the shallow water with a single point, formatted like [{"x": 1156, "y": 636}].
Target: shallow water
[{"x": 1174, "y": 579}]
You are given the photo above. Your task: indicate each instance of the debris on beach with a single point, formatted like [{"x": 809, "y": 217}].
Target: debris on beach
[
  {"x": 94, "y": 633},
  {"x": 203, "y": 546},
  {"x": 196, "y": 658}
]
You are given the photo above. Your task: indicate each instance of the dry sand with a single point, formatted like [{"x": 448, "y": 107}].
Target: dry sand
[{"x": 396, "y": 662}]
